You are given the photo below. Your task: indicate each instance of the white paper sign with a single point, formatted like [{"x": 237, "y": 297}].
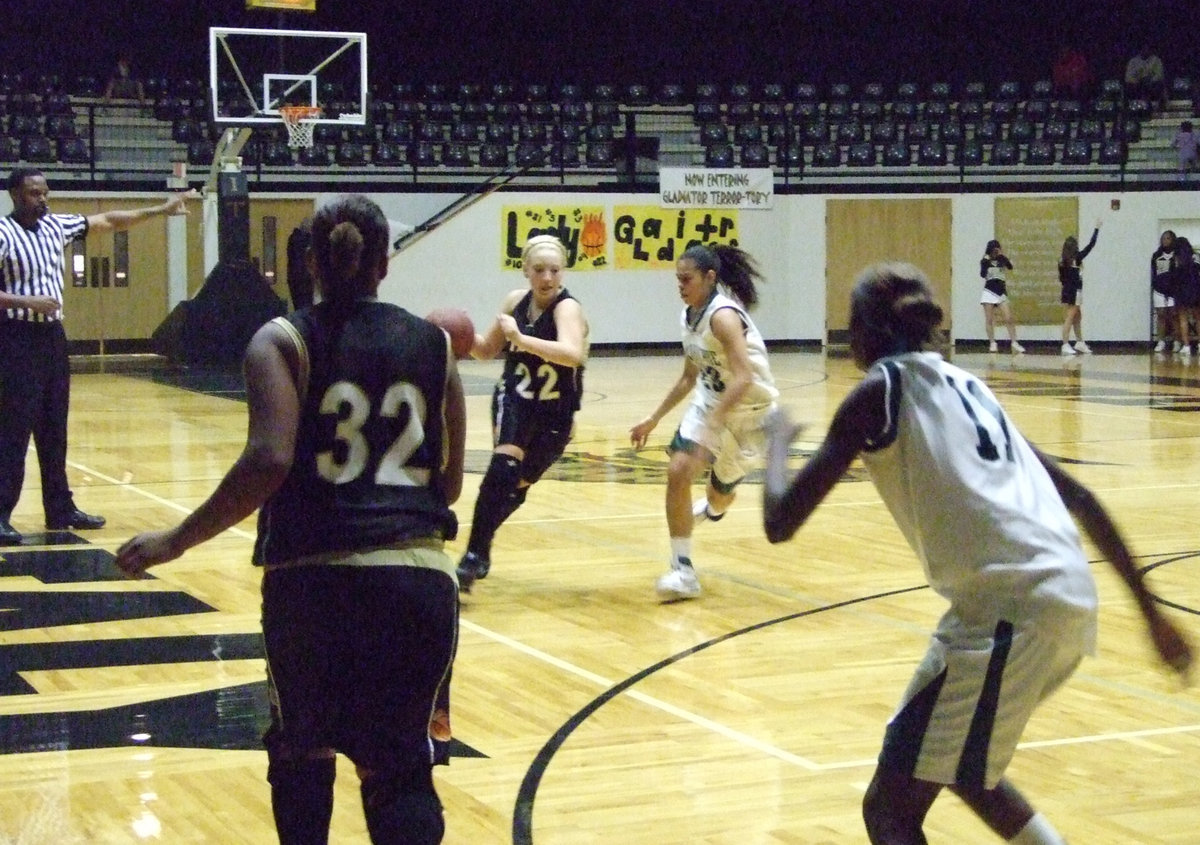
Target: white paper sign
[{"x": 699, "y": 187}]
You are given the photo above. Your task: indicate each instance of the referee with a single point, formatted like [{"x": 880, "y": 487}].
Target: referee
[{"x": 35, "y": 373}]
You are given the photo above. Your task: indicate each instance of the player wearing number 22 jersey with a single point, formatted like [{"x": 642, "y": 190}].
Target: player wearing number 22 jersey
[{"x": 531, "y": 387}]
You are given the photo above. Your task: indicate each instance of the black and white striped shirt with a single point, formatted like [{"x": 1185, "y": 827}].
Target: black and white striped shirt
[{"x": 31, "y": 260}]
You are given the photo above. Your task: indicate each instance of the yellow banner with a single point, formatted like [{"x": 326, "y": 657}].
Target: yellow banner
[
  {"x": 646, "y": 237},
  {"x": 1031, "y": 232},
  {"x": 581, "y": 228}
]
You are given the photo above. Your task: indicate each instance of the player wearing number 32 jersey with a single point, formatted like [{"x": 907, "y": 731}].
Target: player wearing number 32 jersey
[{"x": 354, "y": 455}]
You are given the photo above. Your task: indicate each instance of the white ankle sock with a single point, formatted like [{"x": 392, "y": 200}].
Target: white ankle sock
[
  {"x": 1038, "y": 831},
  {"x": 680, "y": 547}
]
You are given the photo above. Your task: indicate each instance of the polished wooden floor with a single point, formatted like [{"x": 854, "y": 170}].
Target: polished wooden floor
[{"x": 585, "y": 711}]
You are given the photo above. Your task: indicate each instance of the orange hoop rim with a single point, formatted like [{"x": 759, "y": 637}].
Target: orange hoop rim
[{"x": 295, "y": 114}]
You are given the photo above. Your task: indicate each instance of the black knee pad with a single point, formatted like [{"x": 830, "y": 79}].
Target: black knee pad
[{"x": 402, "y": 809}]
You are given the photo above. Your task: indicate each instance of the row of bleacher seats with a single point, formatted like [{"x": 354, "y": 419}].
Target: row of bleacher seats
[
  {"x": 931, "y": 153},
  {"x": 422, "y": 155},
  {"x": 634, "y": 94}
]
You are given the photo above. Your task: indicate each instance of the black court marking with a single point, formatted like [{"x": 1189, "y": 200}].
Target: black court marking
[{"x": 522, "y": 828}]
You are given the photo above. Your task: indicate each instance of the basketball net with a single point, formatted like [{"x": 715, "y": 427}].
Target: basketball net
[{"x": 299, "y": 123}]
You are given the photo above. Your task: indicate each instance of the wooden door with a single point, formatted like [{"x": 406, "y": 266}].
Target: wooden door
[
  {"x": 271, "y": 222},
  {"x": 860, "y": 232},
  {"x": 115, "y": 283}
]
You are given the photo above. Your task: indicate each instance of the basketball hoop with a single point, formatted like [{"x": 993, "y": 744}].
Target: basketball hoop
[{"x": 299, "y": 123}]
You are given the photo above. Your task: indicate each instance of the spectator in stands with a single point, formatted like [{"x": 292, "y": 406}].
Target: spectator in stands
[
  {"x": 1145, "y": 77},
  {"x": 1162, "y": 286},
  {"x": 1187, "y": 292},
  {"x": 1187, "y": 145},
  {"x": 122, "y": 85},
  {"x": 1071, "y": 74}
]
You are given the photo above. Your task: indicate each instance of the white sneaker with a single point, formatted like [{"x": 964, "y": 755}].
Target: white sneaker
[
  {"x": 1185, "y": 351},
  {"x": 678, "y": 584},
  {"x": 1068, "y": 349},
  {"x": 992, "y": 347},
  {"x": 1017, "y": 348},
  {"x": 1175, "y": 346},
  {"x": 1161, "y": 346},
  {"x": 701, "y": 513},
  {"x": 1080, "y": 346}
]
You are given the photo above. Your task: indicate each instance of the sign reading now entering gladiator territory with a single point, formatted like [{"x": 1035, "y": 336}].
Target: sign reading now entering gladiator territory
[{"x": 699, "y": 187}]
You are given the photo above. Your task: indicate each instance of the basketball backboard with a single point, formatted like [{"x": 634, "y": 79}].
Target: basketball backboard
[{"x": 252, "y": 72}]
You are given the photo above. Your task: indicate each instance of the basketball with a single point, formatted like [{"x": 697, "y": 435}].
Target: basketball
[{"x": 458, "y": 325}]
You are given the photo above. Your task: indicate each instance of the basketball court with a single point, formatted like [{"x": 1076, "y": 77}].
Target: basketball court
[{"x": 583, "y": 710}]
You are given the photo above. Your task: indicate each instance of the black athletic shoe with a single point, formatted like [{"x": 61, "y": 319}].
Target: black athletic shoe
[{"x": 470, "y": 569}]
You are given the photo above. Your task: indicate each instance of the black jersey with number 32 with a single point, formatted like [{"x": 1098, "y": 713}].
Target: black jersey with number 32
[
  {"x": 551, "y": 391},
  {"x": 371, "y": 440}
]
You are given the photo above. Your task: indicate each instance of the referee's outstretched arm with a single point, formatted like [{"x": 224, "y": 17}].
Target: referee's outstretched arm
[{"x": 117, "y": 220}]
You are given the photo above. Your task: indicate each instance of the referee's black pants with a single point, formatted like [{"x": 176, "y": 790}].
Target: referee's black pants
[{"x": 35, "y": 389}]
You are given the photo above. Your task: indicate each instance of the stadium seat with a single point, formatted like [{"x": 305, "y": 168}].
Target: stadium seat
[
  {"x": 883, "y": 132},
  {"x": 532, "y": 133},
  {"x": 805, "y": 92},
  {"x": 277, "y": 153},
  {"x": 1004, "y": 154},
  {"x": 718, "y": 155},
  {"x": 37, "y": 149},
  {"x": 904, "y": 110},
  {"x": 425, "y": 154},
  {"x": 931, "y": 153},
  {"x": 862, "y": 154},
  {"x": 917, "y": 131},
  {"x": 1181, "y": 88},
  {"x": 10, "y": 148},
  {"x": 710, "y": 134},
  {"x": 951, "y": 131},
  {"x": 970, "y": 110},
  {"x": 838, "y": 110},
  {"x": 671, "y": 94},
  {"x": 500, "y": 132},
  {"x": 531, "y": 154},
  {"x": 600, "y": 154},
  {"x": 386, "y": 154},
  {"x": 849, "y": 132},
  {"x": 75, "y": 151},
  {"x": 748, "y": 133},
  {"x": 708, "y": 92},
  {"x": 1036, "y": 110},
  {"x": 968, "y": 154},
  {"x": 637, "y": 94},
  {"x": 1128, "y": 130},
  {"x": 1056, "y": 129},
  {"x": 1003, "y": 110},
  {"x": 827, "y": 155},
  {"x": 816, "y": 132},
  {"x": 897, "y": 154},
  {"x": 315, "y": 155},
  {"x": 564, "y": 155},
  {"x": 790, "y": 158},
  {"x": 1040, "y": 152},
  {"x": 806, "y": 110},
  {"x": 872, "y": 92},
  {"x": 740, "y": 92},
  {"x": 1090, "y": 129},
  {"x": 740, "y": 112},
  {"x": 987, "y": 131},
  {"x": 707, "y": 111},
  {"x": 466, "y": 132},
  {"x": 938, "y": 92},
  {"x": 755, "y": 155},
  {"x": 936, "y": 111},
  {"x": 780, "y": 134},
  {"x": 59, "y": 126},
  {"x": 456, "y": 154},
  {"x": 908, "y": 91},
  {"x": 325, "y": 133},
  {"x": 431, "y": 132},
  {"x": 1077, "y": 151},
  {"x": 1021, "y": 130},
  {"x": 1113, "y": 151},
  {"x": 569, "y": 92},
  {"x": 1042, "y": 89},
  {"x": 870, "y": 109},
  {"x": 772, "y": 92},
  {"x": 398, "y": 132},
  {"x": 201, "y": 152},
  {"x": 493, "y": 155},
  {"x": 350, "y": 154}
]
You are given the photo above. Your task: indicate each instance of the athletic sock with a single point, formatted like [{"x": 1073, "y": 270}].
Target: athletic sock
[
  {"x": 681, "y": 549},
  {"x": 1038, "y": 831},
  {"x": 302, "y": 799},
  {"x": 499, "y": 496}
]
